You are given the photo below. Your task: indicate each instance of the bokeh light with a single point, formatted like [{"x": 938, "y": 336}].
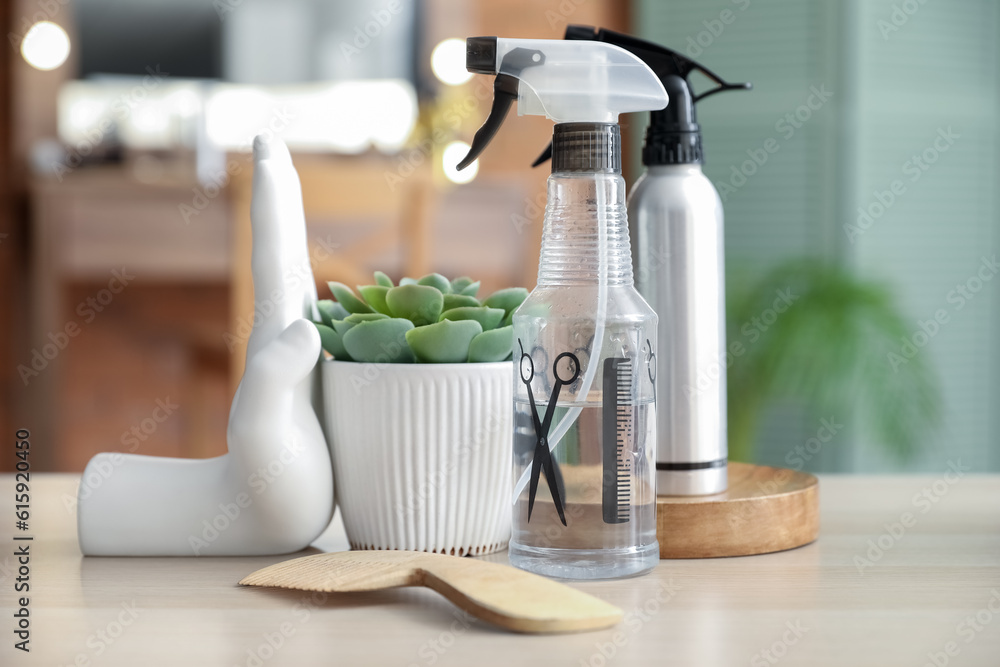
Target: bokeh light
[
  {"x": 448, "y": 62},
  {"x": 45, "y": 45},
  {"x": 452, "y": 155}
]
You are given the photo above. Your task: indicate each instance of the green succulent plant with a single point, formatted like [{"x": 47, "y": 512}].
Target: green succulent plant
[{"x": 428, "y": 320}]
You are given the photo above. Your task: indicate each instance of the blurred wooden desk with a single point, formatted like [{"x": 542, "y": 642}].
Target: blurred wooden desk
[{"x": 817, "y": 606}]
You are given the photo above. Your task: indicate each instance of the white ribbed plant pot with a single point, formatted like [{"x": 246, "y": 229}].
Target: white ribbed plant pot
[{"x": 422, "y": 454}]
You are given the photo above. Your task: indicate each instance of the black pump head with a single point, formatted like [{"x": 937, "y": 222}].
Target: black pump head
[{"x": 673, "y": 135}]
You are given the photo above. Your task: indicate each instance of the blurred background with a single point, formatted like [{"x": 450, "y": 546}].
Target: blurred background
[{"x": 859, "y": 177}]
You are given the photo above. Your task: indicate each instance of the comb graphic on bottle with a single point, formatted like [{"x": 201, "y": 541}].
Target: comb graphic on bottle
[{"x": 617, "y": 423}]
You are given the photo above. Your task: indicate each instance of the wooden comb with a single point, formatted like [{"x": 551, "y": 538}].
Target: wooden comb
[{"x": 498, "y": 594}]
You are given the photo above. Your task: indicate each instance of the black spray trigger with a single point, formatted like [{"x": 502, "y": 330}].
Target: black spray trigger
[
  {"x": 504, "y": 90},
  {"x": 504, "y": 95},
  {"x": 723, "y": 87}
]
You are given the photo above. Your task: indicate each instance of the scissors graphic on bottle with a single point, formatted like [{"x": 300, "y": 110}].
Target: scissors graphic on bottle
[
  {"x": 651, "y": 366},
  {"x": 542, "y": 458}
]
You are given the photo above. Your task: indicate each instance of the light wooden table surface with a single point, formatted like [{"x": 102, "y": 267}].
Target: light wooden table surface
[{"x": 932, "y": 587}]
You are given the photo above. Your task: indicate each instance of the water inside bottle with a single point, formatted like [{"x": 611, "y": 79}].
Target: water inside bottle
[{"x": 609, "y": 503}]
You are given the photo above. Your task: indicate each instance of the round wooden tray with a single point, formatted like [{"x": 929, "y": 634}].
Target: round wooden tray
[{"x": 764, "y": 510}]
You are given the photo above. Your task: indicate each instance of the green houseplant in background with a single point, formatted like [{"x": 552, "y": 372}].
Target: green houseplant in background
[
  {"x": 417, "y": 408},
  {"x": 837, "y": 349}
]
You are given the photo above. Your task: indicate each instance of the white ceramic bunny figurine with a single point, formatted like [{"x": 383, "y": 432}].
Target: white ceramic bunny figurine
[{"x": 273, "y": 492}]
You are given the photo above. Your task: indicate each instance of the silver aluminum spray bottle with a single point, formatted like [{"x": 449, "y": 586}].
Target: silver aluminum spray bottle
[{"x": 680, "y": 270}]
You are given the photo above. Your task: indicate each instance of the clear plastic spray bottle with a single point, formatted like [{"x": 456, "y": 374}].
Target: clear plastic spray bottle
[{"x": 584, "y": 501}]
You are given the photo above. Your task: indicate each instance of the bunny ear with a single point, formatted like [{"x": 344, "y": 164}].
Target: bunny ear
[
  {"x": 261, "y": 148},
  {"x": 278, "y": 150},
  {"x": 271, "y": 376},
  {"x": 284, "y": 287},
  {"x": 280, "y": 158}
]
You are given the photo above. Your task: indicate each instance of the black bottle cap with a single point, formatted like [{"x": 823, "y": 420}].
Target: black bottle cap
[
  {"x": 673, "y": 135},
  {"x": 587, "y": 147}
]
